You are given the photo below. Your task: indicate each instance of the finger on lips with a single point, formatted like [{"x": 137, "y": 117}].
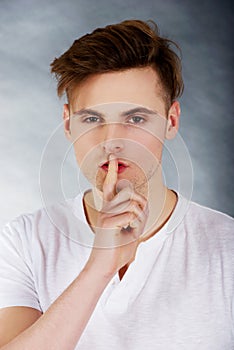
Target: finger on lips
[{"x": 111, "y": 178}]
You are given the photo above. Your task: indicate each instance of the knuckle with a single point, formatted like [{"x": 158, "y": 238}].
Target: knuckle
[
  {"x": 107, "y": 223},
  {"x": 132, "y": 216}
]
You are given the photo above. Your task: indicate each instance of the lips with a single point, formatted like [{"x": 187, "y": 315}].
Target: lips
[{"x": 121, "y": 166}]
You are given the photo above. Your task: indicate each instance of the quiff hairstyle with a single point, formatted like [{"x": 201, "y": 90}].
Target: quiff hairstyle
[{"x": 115, "y": 48}]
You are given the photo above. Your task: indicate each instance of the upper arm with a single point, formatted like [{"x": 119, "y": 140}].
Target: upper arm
[
  {"x": 14, "y": 320},
  {"x": 17, "y": 280},
  {"x": 17, "y": 286}
]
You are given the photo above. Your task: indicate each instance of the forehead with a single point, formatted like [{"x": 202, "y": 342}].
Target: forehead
[{"x": 139, "y": 86}]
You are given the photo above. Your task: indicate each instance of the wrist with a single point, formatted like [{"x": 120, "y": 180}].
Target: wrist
[{"x": 98, "y": 271}]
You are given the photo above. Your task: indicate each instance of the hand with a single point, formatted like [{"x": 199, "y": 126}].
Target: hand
[{"x": 120, "y": 223}]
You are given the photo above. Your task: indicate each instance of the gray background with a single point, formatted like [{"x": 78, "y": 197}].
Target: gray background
[{"x": 34, "y": 32}]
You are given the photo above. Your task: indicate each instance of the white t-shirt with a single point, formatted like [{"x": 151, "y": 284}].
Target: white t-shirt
[{"x": 178, "y": 294}]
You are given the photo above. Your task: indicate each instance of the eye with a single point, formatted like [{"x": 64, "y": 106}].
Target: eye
[
  {"x": 136, "y": 119},
  {"x": 91, "y": 119}
]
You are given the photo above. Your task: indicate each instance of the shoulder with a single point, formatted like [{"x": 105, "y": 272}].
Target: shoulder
[
  {"x": 203, "y": 216},
  {"x": 192, "y": 215},
  {"x": 208, "y": 228},
  {"x": 45, "y": 219},
  {"x": 50, "y": 225}
]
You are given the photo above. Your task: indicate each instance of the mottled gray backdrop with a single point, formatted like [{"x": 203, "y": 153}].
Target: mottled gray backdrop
[{"x": 34, "y": 32}]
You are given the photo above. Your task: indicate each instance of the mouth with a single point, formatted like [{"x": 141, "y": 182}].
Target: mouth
[{"x": 122, "y": 166}]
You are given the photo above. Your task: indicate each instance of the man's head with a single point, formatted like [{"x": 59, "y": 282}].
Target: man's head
[
  {"x": 108, "y": 74},
  {"x": 118, "y": 47}
]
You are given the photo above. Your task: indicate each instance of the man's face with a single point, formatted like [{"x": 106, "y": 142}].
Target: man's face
[{"x": 120, "y": 113}]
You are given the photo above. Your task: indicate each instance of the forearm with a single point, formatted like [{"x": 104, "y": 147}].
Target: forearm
[{"x": 61, "y": 326}]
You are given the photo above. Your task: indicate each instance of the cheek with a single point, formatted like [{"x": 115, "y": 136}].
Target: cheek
[
  {"x": 149, "y": 142},
  {"x": 80, "y": 149},
  {"x": 83, "y": 146},
  {"x": 154, "y": 146}
]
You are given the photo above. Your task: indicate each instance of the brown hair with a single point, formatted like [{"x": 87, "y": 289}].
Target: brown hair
[{"x": 117, "y": 47}]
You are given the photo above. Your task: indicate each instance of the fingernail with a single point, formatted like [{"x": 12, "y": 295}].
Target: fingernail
[{"x": 111, "y": 157}]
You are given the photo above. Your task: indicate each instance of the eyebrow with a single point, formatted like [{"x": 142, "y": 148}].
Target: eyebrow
[
  {"x": 138, "y": 110},
  {"x": 88, "y": 111}
]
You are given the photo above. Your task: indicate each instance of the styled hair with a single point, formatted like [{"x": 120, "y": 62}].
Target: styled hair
[{"x": 118, "y": 47}]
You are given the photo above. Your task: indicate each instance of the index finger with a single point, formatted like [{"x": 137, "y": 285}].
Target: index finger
[{"x": 111, "y": 179}]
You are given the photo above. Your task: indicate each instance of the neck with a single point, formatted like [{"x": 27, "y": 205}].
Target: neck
[{"x": 162, "y": 202}]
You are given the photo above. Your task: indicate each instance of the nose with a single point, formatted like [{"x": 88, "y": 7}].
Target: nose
[
  {"x": 113, "y": 146},
  {"x": 113, "y": 143}
]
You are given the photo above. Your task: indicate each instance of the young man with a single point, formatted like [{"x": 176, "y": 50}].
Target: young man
[{"x": 140, "y": 285}]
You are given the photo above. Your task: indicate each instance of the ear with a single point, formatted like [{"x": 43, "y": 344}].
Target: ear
[
  {"x": 66, "y": 120},
  {"x": 173, "y": 118}
]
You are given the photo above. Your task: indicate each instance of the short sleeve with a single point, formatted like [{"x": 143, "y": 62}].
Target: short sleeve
[{"x": 17, "y": 286}]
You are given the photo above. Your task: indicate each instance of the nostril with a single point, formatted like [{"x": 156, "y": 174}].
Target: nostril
[{"x": 111, "y": 146}]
